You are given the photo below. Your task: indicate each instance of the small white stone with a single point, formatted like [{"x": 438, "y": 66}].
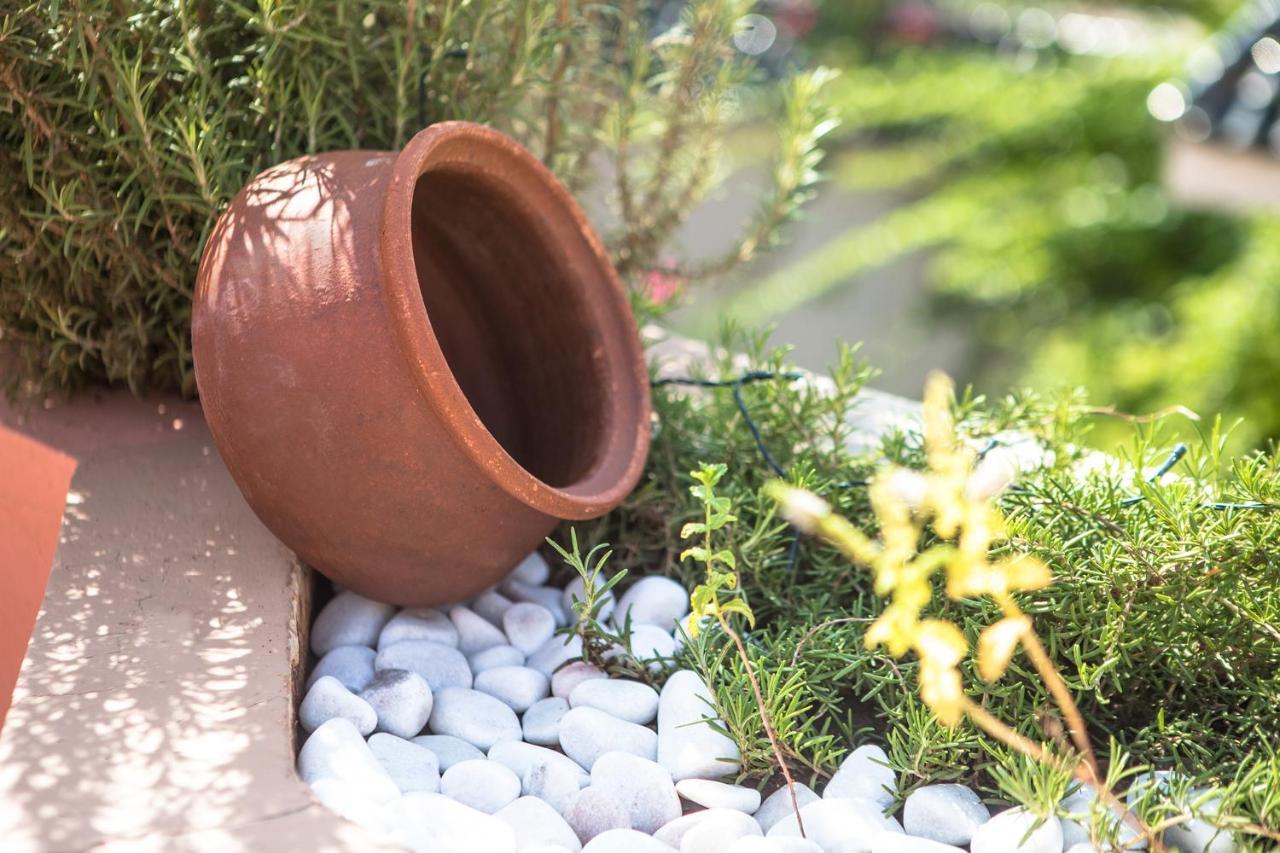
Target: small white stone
[
  {"x": 349, "y": 620},
  {"x": 687, "y": 746},
  {"x": 1005, "y": 832},
  {"x": 537, "y": 824},
  {"x": 544, "y": 595},
  {"x": 653, "y": 600},
  {"x": 864, "y": 774},
  {"x": 1198, "y": 835},
  {"x": 328, "y": 699},
  {"x": 554, "y": 652},
  {"x": 896, "y": 842},
  {"x": 402, "y": 701},
  {"x": 495, "y": 656},
  {"x": 1081, "y": 847},
  {"x": 643, "y": 787},
  {"x": 714, "y": 834},
  {"x": 490, "y": 605},
  {"x": 517, "y": 686},
  {"x": 569, "y": 676},
  {"x": 594, "y": 812},
  {"x": 528, "y": 626},
  {"x": 553, "y": 783},
  {"x": 442, "y": 666},
  {"x": 949, "y": 814},
  {"x": 532, "y": 570},
  {"x": 522, "y": 756},
  {"x": 586, "y": 734},
  {"x": 351, "y": 803},
  {"x": 575, "y": 591},
  {"x": 1077, "y": 810},
  {"x": 673, "y": 831},
  {"x": 474, "y": 632},
  {"x": 448, "y": 750},
  {"x": 419, "y": 623},
  {"x": 777, "y": 805},
  {"x": 352, "y": 665},
  {"x": 476, "y": 717},
  {"x": 625, "y": 841},
  {"x": 649, "y": 644},
  {"x": 440, "y": 824},
  {"x": 838, "y": 824},
  {"x": 337, "y": 751},
  {"x": 719, "y": 795},
  {"x": 410, "y": 766},
  {"x": 627, "y": 700},
  {"x": 756, "y": 844},
  {"x": 541, "y": 723},
  {"x": 483, "y": 785}
]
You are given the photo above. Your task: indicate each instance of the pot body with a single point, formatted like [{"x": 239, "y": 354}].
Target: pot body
[{"x": 414, "y": 365}]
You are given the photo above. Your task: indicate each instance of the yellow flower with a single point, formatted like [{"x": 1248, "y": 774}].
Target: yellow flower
[{"x": 997, "y": 644}]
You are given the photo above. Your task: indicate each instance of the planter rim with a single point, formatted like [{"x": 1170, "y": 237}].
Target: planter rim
[{"x": 401, "y": 291}]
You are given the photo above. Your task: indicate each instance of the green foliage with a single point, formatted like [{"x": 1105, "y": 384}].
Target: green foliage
[
  {"x": 707, "y": 601},
  {"x": 1162, "y": 616},
  {"x": 127, "y": 125}
]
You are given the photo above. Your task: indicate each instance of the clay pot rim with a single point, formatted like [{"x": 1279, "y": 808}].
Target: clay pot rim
[{"x": 432, "y": 374}]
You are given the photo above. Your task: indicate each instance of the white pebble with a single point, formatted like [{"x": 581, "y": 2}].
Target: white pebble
[
  {"x": 328, "y": 699},
  {"x": 544, "y": 595},
  {"x": 442, "y": 666},
  {"x": 490, "y": 605},
  {"x": 1005, "y": 833},
  {"x": 440, "y": 824},
  {"x": 528, "y": 626},
  {"x": 521, "y": 756},
  {"x": 537, "y": 824},
  {"x": 653, "y": 600},
  {"x": 448, "y": 750},
  {"x": 649, "y": 644},
  {"x": 352, "y": 665},
  {"x": 553, "y": 783},
  {"x": 575, "y": 592},
  {"x": 778, "y": 805},
  {"x": 627, "y": 700},
  {"x": 719, "y": 795},
  {"x": 420, "y": 623},
  {"x": 349, "y": 620},
  {"x": 755, "y": 844},
  {"x": 533, "y": 570},
  {"x": 715, "y": 834},
  {"x": 687, "y": 746},
  {"x": 410, "y": 766},
  {"x": 837, "y": 824},
  {"x": 555, "y": 652},
  {"x": 495, "y": 656},
  {"x": 1198, "y": 835},
  {"x": 349, "y": 802},
  {"x": 483, "y": 785},
  {"x": 517, "y": 686},
  {"x": 949, "y": 814},
  {"x": 337, "y": 751},
  {"x": 402, "y": 701},
  {"x": 641, "y": 786},
  {"x": 863, "y": 774},
  {"x": 541, "y": 723},
  {"x": 594, "y": 812},
  {"x": 569, "y": 676},
  {"x": 625, "y": 841},
  {"x": 586, "y": 734},
  {"x": 673, "y": 831},
  {"x": 896, "y": 842},
  {"x": 474, "y": 632},
  {"x": 476, "y": 717}
]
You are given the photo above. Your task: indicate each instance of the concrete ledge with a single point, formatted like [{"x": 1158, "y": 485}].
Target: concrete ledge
[{"x": 155, "y": 706}]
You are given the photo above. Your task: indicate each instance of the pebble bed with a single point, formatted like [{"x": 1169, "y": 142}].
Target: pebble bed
[{"x": 477, "y": 728}]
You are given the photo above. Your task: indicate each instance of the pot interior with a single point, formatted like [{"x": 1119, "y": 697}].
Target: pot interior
[{"x": 508, "y": 309}]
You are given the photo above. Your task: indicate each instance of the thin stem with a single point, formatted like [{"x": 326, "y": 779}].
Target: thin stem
[
  {"x": 764, "y": 718},
  {"x": 1062, "y": 695}
]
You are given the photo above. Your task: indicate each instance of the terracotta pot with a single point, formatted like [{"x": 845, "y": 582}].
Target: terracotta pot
[{"x": 415, "y": 364}]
